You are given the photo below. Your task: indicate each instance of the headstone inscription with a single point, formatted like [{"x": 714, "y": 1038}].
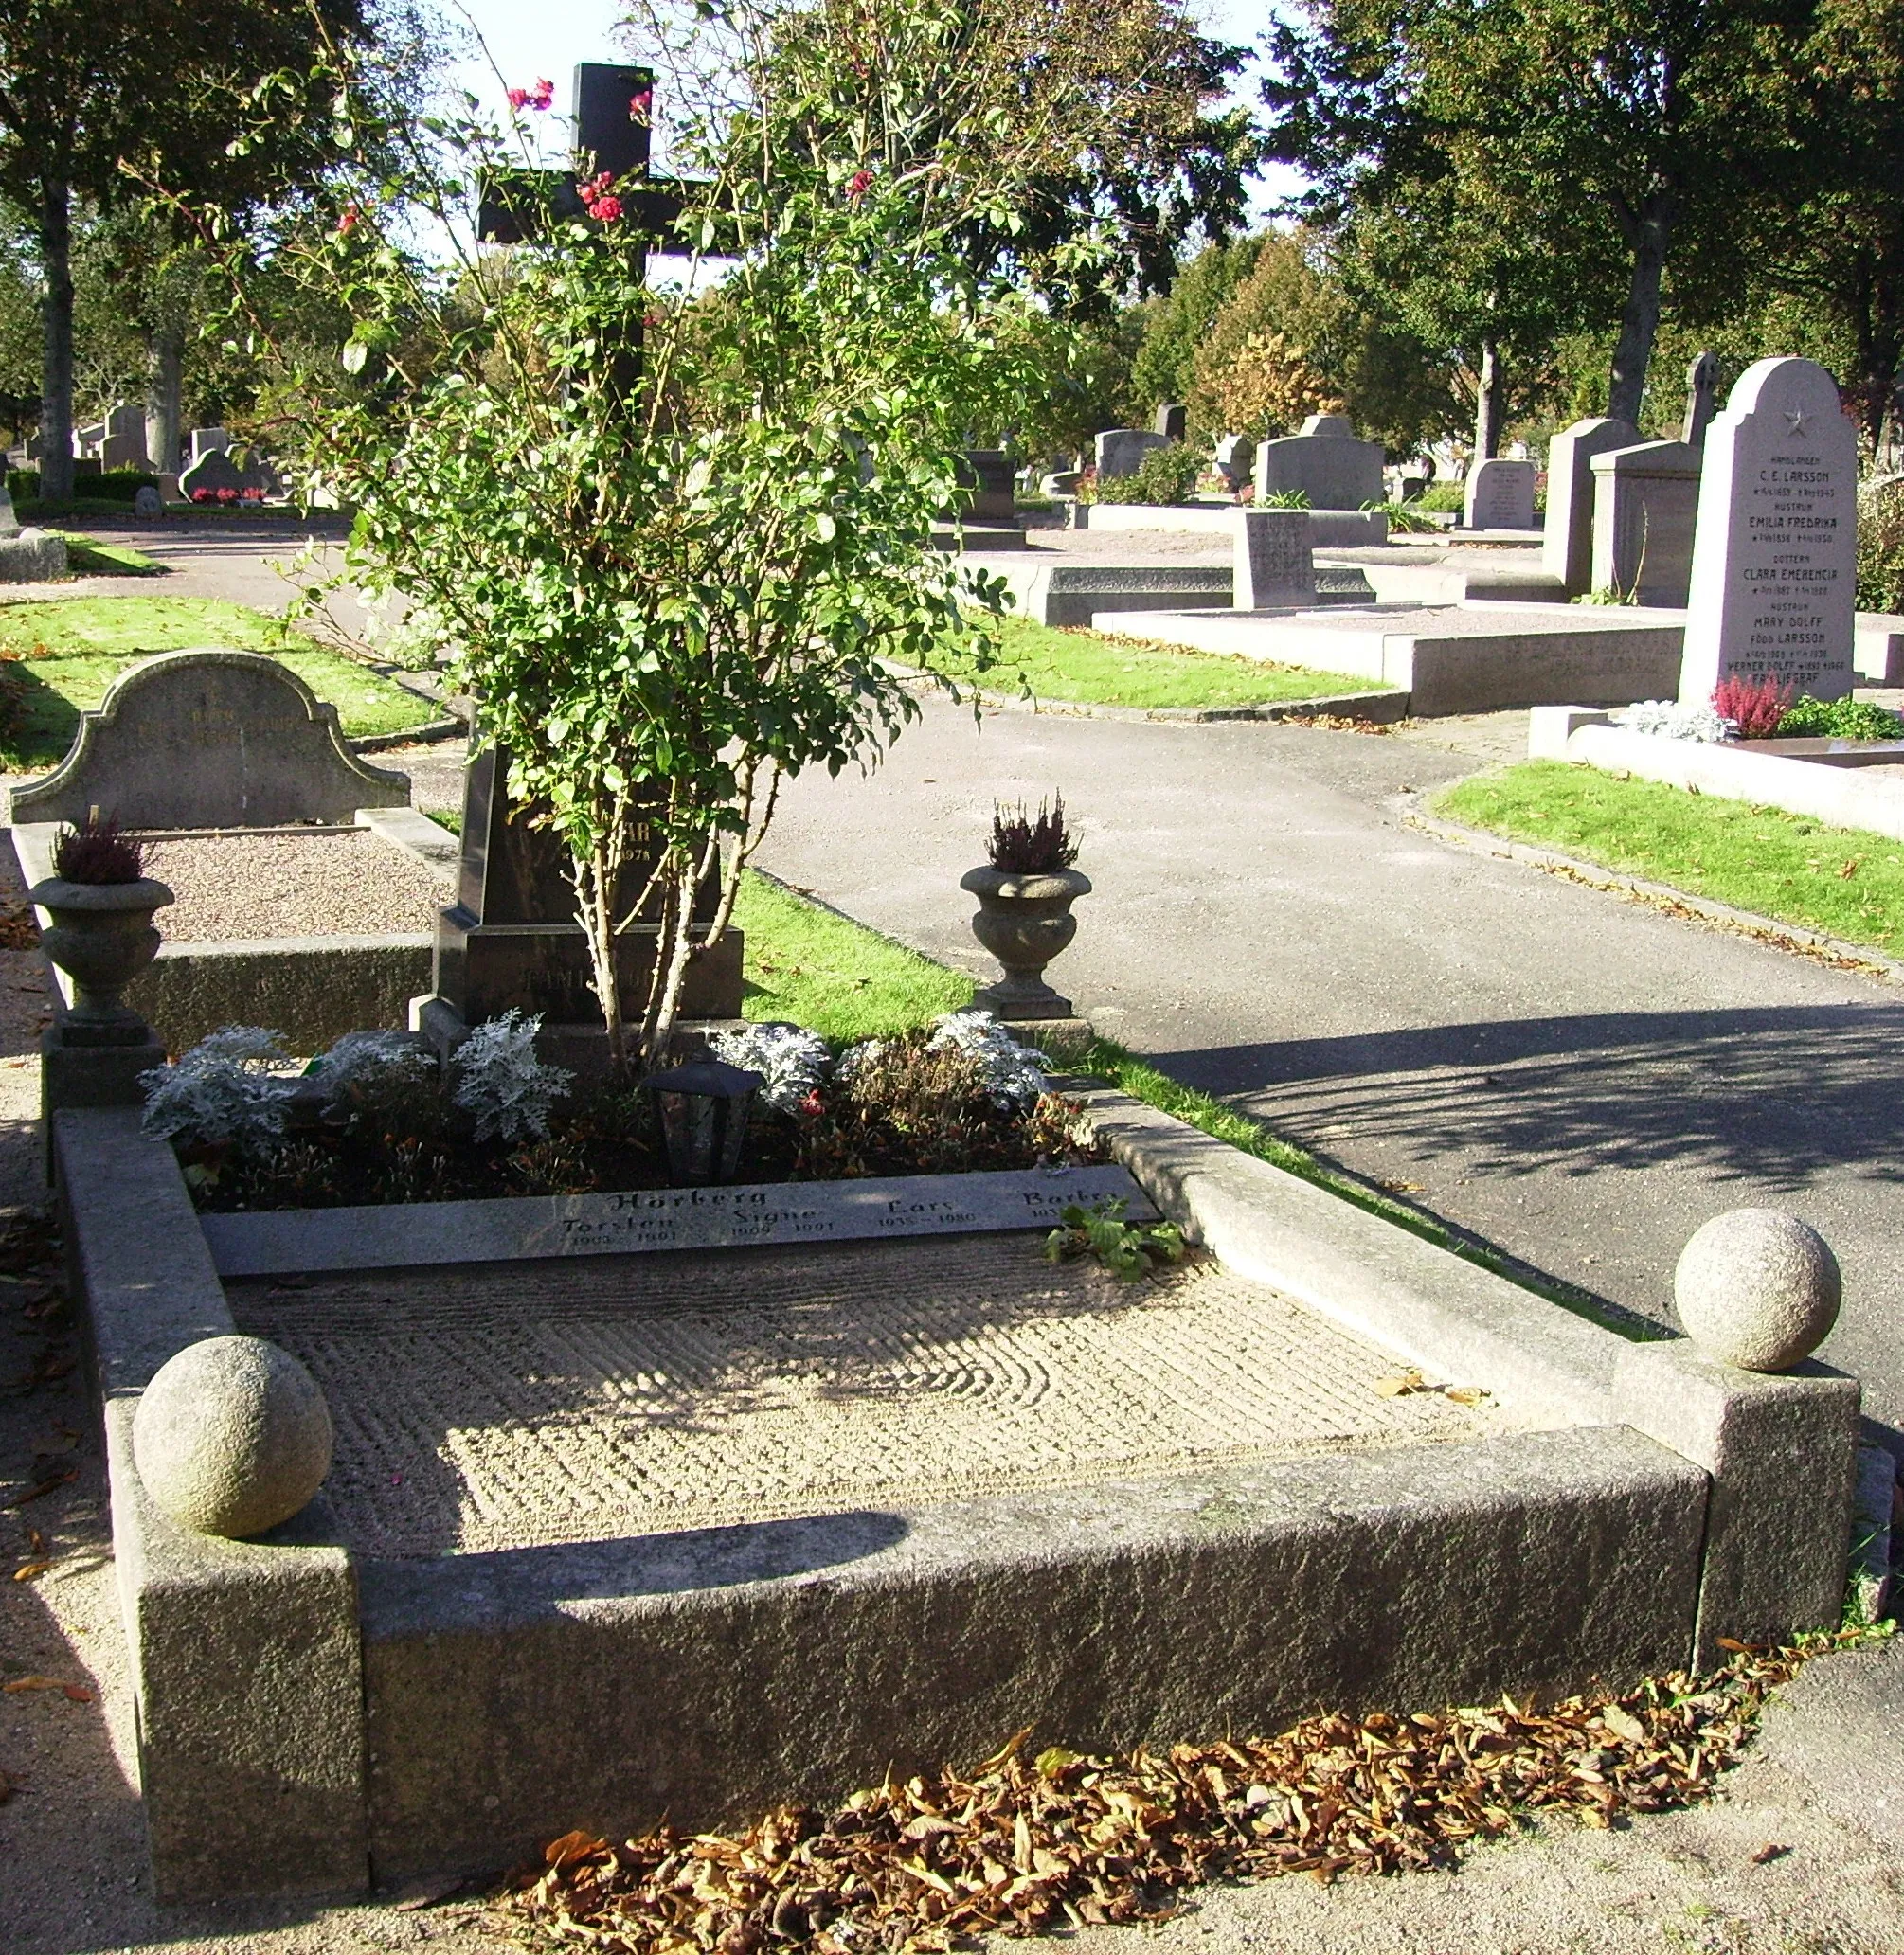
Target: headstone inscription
[
  {"x": 210, "y": 739},
  {"x": 1567, "y": 541},
  {"x": 1120, "y": 451},
  {"x": 1775, "y": 564},
  {"x": 1323, "y": 461},
  {"x": 1645, "y": 510},
  {"x": 1500, "y": 494},
  {"x": 1275, "y": 559},
  {"x": 512, "y": 939},
  {"x": 274, "y": 1242},
  {"x": 1173, "y": 421}
]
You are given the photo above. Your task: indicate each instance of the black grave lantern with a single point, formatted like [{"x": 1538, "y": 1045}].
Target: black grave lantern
[{"x": 702, "y": 1110}]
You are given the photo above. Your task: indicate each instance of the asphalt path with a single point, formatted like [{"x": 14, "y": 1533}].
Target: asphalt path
[{"x": 1579, "y": 1079}]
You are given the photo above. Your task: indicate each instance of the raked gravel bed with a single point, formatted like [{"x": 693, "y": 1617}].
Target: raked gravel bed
[{"x": 237, "y": 885}]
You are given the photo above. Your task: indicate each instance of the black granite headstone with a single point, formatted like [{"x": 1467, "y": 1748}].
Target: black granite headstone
[{"x": 512, "y": 939}]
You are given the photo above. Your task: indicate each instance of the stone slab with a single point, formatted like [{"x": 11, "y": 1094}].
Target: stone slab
[
  {"x": 1274, "y": 559},
  {"x": 1877, "y": 648},
  {"x": 1325, "y": 462},
  {"x": 1500, "y": 494},
  {"x": 718, "y": 1673},
  {"x": 1646, "y": 506},
  {"x": 1774, "y": 562},
  {"x": 1567, "y": 542},
  {"x": 1449, "y": 659},
  {"x": 1329, "y": 529},
  {"x": 210, "y": 739},
  {"x": 32, "y": 556},
  {"x": 433, "y": 1234}
]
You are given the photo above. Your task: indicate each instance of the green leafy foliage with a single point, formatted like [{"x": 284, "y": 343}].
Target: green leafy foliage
[
  {"x": 1130, "y": 1250},
  {"x": 1880, "y": 547},
  {"x": 1840, "y": 719},
  {"x": 1164, "y": 477}
]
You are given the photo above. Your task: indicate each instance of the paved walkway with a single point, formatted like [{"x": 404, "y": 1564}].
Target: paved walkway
[{"x": 1579, "y": 1079}]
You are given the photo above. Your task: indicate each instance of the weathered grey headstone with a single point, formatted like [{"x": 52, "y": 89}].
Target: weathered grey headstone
[
  {"x": 32, "y": 556},
  {"x": 210, "y": 739},
  {"x": 1173, "y": 421},
  {"x": 146, "y": 503},
  {"x": 1774, "y": 563},
  {"x": 1645, "y": 510},
  {"x": 1702, "y": 387},
  {"x": 1120, "y": 451},
  {"x": 1275, "y": 559},
  {"x": 1325, "y": 462},
  {"x": 1500, "y": 494},
  {"x": 1236, "y": 458},
  {"x": 209, "y": 441},
  {"x": 1060, "y": 482},
  {"x": 10, "y": 523},
  {"x": 1567, "y": 541},
  {"x": 227, "y": 475}
]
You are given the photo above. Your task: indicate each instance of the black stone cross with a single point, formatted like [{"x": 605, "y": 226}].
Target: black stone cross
[{"x": 613, "y": 123}]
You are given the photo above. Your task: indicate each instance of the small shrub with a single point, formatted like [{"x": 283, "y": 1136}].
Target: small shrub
[
  {"x": 1838, "y": 718},
  {"x": 1444, "y": 499},
  {"x": 96, "y": 851},
  {"x": 1012, "y": 1074},
  {"x": 1282, "y": 499},
  {"x": 1024, "y": 845},
  {"x": 119, "y": 485},
  {"x": 1165, "y": 475},
  {"x": 1880, "y": 546},
  {"x": 1608, "y": 594},
  {"x": 791, "y": 1061},
  {"x": 502, "y": 1085},
  {"x": 1404, "y": 517},
  {"x": 227, "y": 1092},
  {"x": 1756, "y": 707}
]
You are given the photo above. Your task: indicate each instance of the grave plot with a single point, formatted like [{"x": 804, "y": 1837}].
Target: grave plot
[
  {"x": 305, "y": 887},
  {"x": 805, "y": 1486}
]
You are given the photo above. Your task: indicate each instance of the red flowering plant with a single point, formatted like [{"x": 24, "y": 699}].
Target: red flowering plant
[
  {"x": 677, "y": 530},
  {"x": 1754, "y": 705}
]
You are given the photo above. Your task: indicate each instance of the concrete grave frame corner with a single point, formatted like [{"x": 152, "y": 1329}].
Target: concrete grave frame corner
[{"x": 210, "y": 739}]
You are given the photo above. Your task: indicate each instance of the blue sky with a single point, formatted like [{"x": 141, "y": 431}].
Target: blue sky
[{"x": 551, "y": 36}]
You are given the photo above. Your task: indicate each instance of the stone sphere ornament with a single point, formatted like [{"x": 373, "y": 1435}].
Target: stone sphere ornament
[
  {"x": 232, "y": 1435},
  {"x": 1757, "y": 1288}
]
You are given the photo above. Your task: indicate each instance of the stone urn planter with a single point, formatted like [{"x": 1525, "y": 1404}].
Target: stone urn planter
[
  {"x": 103, "y": 938},
  {"x": 1024, "y": 920}
]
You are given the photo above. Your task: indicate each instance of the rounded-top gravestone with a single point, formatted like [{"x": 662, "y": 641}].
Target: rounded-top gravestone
[
  {"x": 232, "y": 1437},
  {"x": 147, "y": 503},
  {"x": 1758, "y": 1288}
]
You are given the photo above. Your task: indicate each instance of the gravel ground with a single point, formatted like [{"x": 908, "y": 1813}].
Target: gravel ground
[{"x": 248, "y": 885}]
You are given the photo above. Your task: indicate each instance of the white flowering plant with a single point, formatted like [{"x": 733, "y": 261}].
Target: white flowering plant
[
  {"x": 500, "y": 1083},
  {"x": 1013, "y": 1074},
  {"x": 1669, "y": 718},
  {"x": 230, "y": 1090},
  {"x": 791, "y": 1061}
]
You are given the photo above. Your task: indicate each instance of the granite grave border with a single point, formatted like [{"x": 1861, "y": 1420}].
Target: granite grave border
[{"x": 313, "y": 1721}]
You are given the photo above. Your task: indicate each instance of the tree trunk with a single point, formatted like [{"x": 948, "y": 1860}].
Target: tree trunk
[
  {"x": 164, "y": 404},
  {"x": 56, "y": 368},
  {"x": 1639, "y": 324},
  {"x": 1487, "y": 405}
]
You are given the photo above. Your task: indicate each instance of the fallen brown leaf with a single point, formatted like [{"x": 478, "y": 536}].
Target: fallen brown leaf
[
  {"x": 45, "y": 1486},
  {"x": 27, "y": 1570},
  {"x": 27, "y": 1683},
  {"x": 1769, "y": 1850},
  {"x": 1400, "y": 1382}
]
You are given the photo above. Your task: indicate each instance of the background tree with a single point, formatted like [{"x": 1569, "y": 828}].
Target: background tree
[
  {"x": 1176, "y": 326},
  {"x": 1661, "y": 119},
  {"x": 88, "y": 87}
]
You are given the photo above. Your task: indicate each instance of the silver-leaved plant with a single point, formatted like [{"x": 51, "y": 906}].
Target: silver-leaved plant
[
  {"x": 503, "y": 1084},
  {"x": 229, "y": 1089}
]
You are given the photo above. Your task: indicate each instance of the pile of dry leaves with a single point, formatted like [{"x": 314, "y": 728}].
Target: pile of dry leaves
[{"x": 1020, "y": 1846}]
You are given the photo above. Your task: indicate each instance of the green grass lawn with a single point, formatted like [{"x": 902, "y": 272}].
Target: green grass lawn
[
  {"x": 70, "y": 650},
  {"x": 1089, "y": 669},
  {"x": 810, "y": 966},
  {"x": 92, "y": 559},
  {"x": 1845, "y": 882}
]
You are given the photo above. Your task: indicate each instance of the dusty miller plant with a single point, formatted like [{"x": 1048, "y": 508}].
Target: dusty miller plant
[
  {"x": 500, "y": 1083},
  {"x": 229, "y": 1089},
  {"x": 674, "y": 532}
]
